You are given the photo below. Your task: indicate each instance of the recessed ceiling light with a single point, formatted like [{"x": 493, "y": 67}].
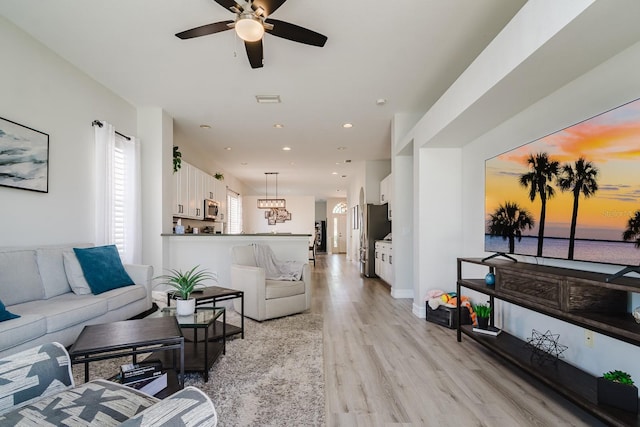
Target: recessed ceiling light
[
  {"x": 381, "y": 101},
  {"x": 347, "y": 125},
  {"x": 205, "y": 126},
  {"x": 338, "y": 163},
  {"x": 344, "y": 176},
  {"x": 278, "y": 126},
  {"x": 342, "y": 148},
  {"x": 334, "y": 173},
  {"x": 244, "y": 163},
  {"x": 227, "y": 148},
  {"x": 286, "y": 148},
  {"x": 268, "y": 99}
]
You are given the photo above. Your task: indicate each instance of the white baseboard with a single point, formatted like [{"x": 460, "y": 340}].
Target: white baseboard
[
  {"x": 419, "y": 311},
  {"x": 401, "y": 293}
]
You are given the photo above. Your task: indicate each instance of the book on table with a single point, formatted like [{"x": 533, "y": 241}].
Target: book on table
[
  {"x": 140, "y": 371},
  {"x": 491, "y": 330},
  {"x": 152, "y": 385}
]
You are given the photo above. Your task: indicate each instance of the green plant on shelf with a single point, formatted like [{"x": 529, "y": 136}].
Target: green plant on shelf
[
  {"x": 618, "y": 377},
  {"x": 482, "y": 310}
]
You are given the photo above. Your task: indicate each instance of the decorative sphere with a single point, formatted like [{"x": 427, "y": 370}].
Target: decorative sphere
[{"x": 490, "y": 279}]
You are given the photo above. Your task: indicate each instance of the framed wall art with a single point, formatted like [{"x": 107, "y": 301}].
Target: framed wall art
[{"x": 24, "y": 157}]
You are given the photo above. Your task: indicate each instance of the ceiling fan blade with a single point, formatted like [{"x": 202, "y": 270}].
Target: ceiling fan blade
[
  {"x": 229, "y": 5},
  {"x": 295, "y": 33},
  {"x": 205, "y": 30},
  {"x": 269, "y": 6},
  {"x": 254, "y": 53}
]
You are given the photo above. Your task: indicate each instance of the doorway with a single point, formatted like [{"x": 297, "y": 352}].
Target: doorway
[{"x": 339, "y": 229}]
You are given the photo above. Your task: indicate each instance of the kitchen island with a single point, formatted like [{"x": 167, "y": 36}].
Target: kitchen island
[{"x": 213, "y": 251}]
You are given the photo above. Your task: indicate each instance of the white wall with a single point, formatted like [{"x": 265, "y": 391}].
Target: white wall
[
  {"x": 438, "y": 184},
  {"x": 321, "y": 210},
  {"x": 376, "y": 171},
  {"x": 155, "y": 130},
  {"x": 42, "y": 91},
  {"x": 303, "y": 216},
  {"x": 402, "y": 226}
]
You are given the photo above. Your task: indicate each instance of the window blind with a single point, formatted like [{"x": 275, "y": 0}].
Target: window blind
[
  {"x": 234, "y": 212},
  {"x": 119, "y": 185}
]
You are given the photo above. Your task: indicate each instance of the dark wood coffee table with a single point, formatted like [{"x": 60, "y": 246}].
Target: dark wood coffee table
[
  {"x": 129, "y": 338},
  {"x": 212, "y": 295}
]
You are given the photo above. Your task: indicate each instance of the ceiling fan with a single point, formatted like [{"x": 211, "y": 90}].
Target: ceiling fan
[{"x": 251, "y": 23}]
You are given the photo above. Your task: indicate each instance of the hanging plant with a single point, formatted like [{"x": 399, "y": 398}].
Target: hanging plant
[
  {"x": 177, "y": 159},
  {"x": 219, "y": 176}
]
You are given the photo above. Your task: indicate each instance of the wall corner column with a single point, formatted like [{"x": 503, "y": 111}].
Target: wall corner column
[{"x": 155, "y": 129}]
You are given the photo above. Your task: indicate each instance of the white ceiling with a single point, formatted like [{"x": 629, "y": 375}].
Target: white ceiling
[{"x": 405, "y": 51}]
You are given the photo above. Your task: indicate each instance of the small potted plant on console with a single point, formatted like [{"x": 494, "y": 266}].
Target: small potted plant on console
[
  {"x": 184, "y": 284},
  {"x": 483, "y": 313},
  {"x": 616, "y": 388}
]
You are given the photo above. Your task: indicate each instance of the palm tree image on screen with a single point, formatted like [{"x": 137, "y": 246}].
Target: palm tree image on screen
[
  {"x": 581, "y": 178},
  {"x": 542, "y": 173}
]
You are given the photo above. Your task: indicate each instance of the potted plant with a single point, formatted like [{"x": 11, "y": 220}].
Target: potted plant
[
  {"x": 184, "y": 284},
  {"x": 177, "y": 159},
  {"x": 483, "y": 312},
  {"x": 616, "y": 388}
]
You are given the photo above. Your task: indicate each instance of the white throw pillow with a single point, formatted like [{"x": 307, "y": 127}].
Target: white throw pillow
[{"x": 75, "y": 276}]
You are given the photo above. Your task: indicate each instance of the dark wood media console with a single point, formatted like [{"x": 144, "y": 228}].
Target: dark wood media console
[{"x": 578, "y": 297}]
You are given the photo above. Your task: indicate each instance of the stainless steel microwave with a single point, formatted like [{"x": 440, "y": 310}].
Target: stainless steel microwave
[{"x": 211, "y": 210}]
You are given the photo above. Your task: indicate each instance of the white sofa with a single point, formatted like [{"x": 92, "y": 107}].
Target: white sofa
[
  {"x": 34, "y": 285},
  {"x": 266, "y": 299}
]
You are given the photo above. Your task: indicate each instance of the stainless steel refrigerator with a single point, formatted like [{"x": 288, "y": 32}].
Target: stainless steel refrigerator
[{"x": 374, "y": 225}]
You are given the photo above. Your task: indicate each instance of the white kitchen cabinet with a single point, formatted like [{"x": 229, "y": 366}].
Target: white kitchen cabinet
[
  {"x": 386, "y": 194},
  {"x": 181, "y": 191},
  {"x": 210, "y": 187},
  {"x": 196, "y": 193},
  {"x": 189, "y": 192},
  {"x": 377, "y": 265},
  {"x": 191, "y": 186},
  {"x": 384, "y": 261}
]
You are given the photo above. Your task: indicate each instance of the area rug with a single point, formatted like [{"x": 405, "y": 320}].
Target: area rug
[{"x": 273, "y": 377}]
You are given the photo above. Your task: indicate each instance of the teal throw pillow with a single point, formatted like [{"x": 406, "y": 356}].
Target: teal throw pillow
[
  {"x": 5, "y": 314},
  {"x": 102, "y": 268}
]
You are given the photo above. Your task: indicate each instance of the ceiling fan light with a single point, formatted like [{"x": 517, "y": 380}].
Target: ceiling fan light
[{"x": 249, "y": 28}]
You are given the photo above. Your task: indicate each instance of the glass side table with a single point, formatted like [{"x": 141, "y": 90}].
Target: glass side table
[
  {"x": 211, "y": 296},
  {"x": 202, "y": 353}
]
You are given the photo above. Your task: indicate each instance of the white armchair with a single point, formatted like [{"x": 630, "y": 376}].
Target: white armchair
[{"x": 266, "y": 299}]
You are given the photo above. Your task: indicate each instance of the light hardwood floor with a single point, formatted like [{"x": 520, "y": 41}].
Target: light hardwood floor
[{"x": 385, "y": 367}]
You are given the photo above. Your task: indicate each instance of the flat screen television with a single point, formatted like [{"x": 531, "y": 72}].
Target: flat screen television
[{"x": 573, "y": 194}]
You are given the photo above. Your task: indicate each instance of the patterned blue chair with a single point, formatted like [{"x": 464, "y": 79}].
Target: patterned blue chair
[{"x": 37, "y": 388}]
